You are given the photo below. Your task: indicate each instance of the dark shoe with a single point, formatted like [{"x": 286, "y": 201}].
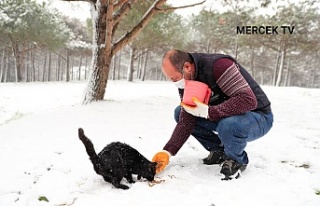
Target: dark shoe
[
  {"x": 215, "y": 157},
  {"x": 232, "y": 169}
]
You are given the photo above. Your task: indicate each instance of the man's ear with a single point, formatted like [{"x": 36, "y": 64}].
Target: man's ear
[{"x": 187, "y": 67}]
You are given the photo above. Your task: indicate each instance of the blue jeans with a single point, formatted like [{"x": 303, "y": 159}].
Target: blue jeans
[{"x": 231, "y": 134}]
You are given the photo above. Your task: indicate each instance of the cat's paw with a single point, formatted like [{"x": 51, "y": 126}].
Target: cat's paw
[
  {"x": 125, "y": 187},
  {"x": 120, "y": 186}
]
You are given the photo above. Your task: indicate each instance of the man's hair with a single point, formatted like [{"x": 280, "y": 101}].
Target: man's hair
[{"x": 178, "y": 58}]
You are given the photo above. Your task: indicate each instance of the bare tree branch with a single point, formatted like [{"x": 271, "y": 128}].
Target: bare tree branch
[
  {"x": 129, "y": 36},
  {"x": 179, "y": 7},
  {"x": 125, "y": 8},
  {"x": 63, "y": 57},
  {"x": 155, "y": 8},
  {"x": 119, "y": 4}
]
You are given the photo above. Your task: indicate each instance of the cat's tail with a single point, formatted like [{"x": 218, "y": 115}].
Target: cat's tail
[{"x": 90, "y": 150}]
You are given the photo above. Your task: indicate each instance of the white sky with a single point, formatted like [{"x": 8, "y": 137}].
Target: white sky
[{"x": 81, "y": 10}]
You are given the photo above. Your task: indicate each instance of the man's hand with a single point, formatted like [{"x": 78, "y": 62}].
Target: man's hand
[
  {"x": 200, "y": 110},
  {"x": 162, "y": 158}
]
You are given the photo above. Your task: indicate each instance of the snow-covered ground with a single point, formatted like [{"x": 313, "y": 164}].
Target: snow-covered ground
[{"x": 41, "y": 156}]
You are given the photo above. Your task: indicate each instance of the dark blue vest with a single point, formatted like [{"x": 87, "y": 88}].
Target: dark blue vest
[{"x": 204, "y": 73}]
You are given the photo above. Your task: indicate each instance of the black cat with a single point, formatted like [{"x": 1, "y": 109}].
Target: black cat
[{"x": 118, "y": 160}]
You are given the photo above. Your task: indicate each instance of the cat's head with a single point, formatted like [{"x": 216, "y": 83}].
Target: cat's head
[{"x": 148, "y": 172}]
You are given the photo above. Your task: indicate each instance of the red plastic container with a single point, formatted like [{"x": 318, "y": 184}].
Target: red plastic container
[{"x": 196, "y": 89}]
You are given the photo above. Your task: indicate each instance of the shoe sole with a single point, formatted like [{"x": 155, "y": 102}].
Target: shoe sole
[{"x": 236, "y": 175}]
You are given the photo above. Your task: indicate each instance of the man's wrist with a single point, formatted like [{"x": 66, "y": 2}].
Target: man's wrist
[{"x": 167, "y": 152}]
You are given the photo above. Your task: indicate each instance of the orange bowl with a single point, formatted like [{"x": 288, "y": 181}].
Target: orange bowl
[{"x": 196, "y": 89}]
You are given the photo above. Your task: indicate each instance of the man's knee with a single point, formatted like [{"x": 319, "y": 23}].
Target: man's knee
[{"x": 177, "y": 111}]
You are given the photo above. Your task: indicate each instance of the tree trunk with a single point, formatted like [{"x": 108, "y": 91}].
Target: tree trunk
[
  {"x": 276, "y": 67},
  {"x": 80, "y": 65},
  {"x": 114, "y": 67},
  {"x": 131, "y": 64},
  {"x": 44, "y": 67},
  {"x": 236, "y": 48},
  {"x": 262, "y": 77},
  {"x": 283, "y": 54},
  {"x": 158, "y": 73},
  {"x": 289, "y": 78},
  {"x": 38, "y": 73},
  {"x": 101, "y": 58},
  {"x": 49, "y": 66},
  {"x": 314, "y": 70},
  {"x": 140, "y": 58},
  {"x": 33, "y": 68},
  {"x": 252, "y": 62},
  {"x": 26, "y": 68},
  {"x": 59, "y": 69},
  {"x": 119, "y": 65},
  {"x": 71, "y": 66},
  {"x": 2, "y": 65},
  {"x": 68, "y": 67},
  {"x": 16, "y": 58},
  {"x": 5, "y": 69},
  {"x": 86, "y": 69},
  {"x": 144, "y": 67},
  {"x": 208, "y": 46},
  {"x": 286, "y": 80}
]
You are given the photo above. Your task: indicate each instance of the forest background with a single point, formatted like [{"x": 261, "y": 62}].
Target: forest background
[{"x": 39, "y": 43}]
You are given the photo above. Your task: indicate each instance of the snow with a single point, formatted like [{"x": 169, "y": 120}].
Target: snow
[{"x": 41, "y": 155}]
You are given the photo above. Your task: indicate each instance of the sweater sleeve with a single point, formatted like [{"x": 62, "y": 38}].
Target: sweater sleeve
[
  {"x": 241, "y": 97},
  {"x": 181, "y": 132}
]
